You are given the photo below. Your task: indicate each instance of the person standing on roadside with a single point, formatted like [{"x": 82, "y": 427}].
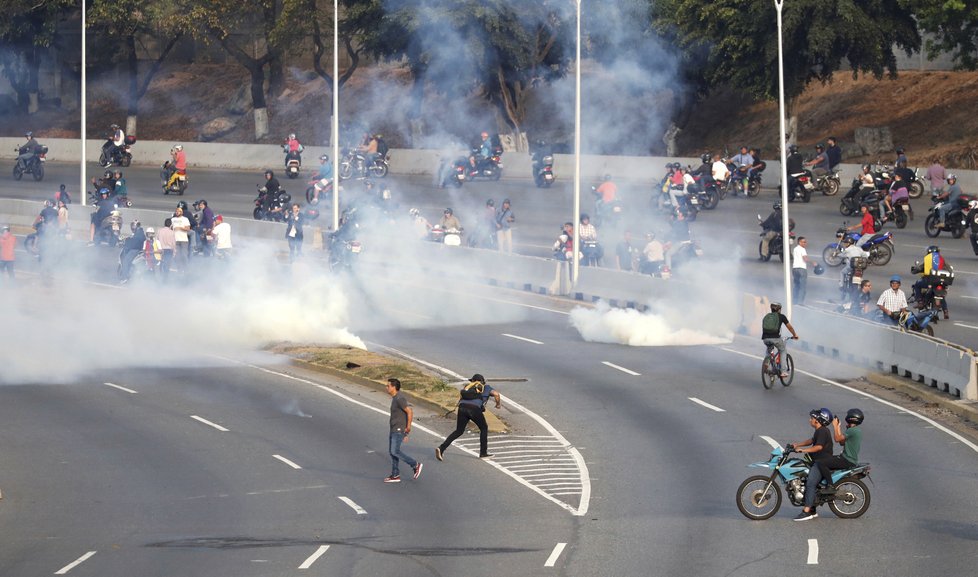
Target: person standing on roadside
[
  {"x": 181, "y": 236},
  {"x": 935, "y": 176},
  {"x": 8, "y": 242},
  {"x": 402, "y": 414},
  {"x": 799, "y": 270},
  {"x": 504, "y": 227},
  {"x": 168, "y": 245},
  {"x": 293, "y": 231},
  {"x": 471, "y": 407}
]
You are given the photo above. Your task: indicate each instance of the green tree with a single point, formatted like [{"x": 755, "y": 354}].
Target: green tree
[
  {"x": 820, "y": 37},
  {"x": 27, "y": 27},
  {"x": 953, "y": 25},
  {"x": 119, "y": 25}
]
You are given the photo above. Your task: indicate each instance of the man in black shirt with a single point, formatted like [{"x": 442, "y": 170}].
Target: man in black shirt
[
  {"x": 834, "y": 152},
  {"x": 819, "y": 447},
  {"x": 771, "y": 331}
]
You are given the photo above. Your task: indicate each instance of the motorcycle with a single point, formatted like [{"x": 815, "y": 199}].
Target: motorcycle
[
  {"x": 543, "y": 169},
  {"x": 33, "y": 165},
  {"x": 490, "y": 167},
  {"x": 707, "y": 194},
  {"x": 95, "y": 196},
  {"x": 957, "y": 219},
  {"x": 919, "y": 322},
  {"x": 179, "y": 185},
  {"x": 121, "y": 156},
  {"x": 271, "y": 208},
  {"x": 742, "y": 182},
  {"x": 901, "y": 214},
  {"x": 447, "y": 236},
  {"x": 800, "y": 186},
  {"x": 850, "y": 282},
  {"x": 775, "y": 246},
  {"x": 879, "y": 247},
  {"x": 354, "y": 164},
  {"x": 759, "y": 496},
  {"x": 293, "y": 162},
  {"x": 829, "y": 183},
  {"x": 935, "y": 287},
  {"x": 452, "y": 172},
  {"x": 592, "y": 252},
  {"x": 109, "y": 229},
  {"x": 856, "y": 197},
  {"x": 312, "y": 198}
]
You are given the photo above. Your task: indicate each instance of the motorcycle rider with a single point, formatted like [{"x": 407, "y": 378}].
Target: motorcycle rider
[
  {"x": 892, "y": 301},
  {"x": 771, "y": 332},
  {"x": 867, "y": 225},
  {"x": 27, "y": 150},
  {"x": 794, "y": 163},
  {"x": 449, "y": 221},
  {"x": 973, "y": 218},
  {"x": 833, "y": 152},
  {"x": 368, "y": 149},
  {"x": 607, "y": 192},
  {"x": 819, "y": 164},
  {"x": 588, "y": 233},
  {"x": 564, "y": 245},
  {"x": 951, "y": 198},
  {"x": 103, "y": 211},
  {"x": 772, "y": 227},
  {"x": 933, "y": 262},
  {"x": 759, "y": 165},
  {"x": 133, "y": 245},
  {"x": 851, "y": 442},
  {"x": 270, "y": 192},
  {"x": 898, "y": 192},
  {"x": 114, "y": 144},
  {"x": 323, "y": 178},
  {"x": 293, "y": 149},
  {"x": 119, "y": 184},
  {"x": 744, "y": 157},
  {"x": 483, "y": 152},
  {"x": 179, "y": 165},
  {"x": 820, "y": 448}
]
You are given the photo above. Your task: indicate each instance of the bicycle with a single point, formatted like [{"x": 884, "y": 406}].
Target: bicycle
[{"x": 769, "y": 370}]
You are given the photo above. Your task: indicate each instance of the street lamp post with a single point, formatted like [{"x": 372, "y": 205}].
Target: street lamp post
[
  {"x": 785, "y": 226},
  {"x": 84, "y": 83},
  {"x": 335, "y": 136},
  {"x": 576, "y": 262}
]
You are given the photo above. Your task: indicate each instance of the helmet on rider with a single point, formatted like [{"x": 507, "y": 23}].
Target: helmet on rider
[
  {"x": 134, "y": 225},
  {"x": 823, "y": 416},
  {"x": 793, "y": 148},
  {"x": 777, "y": 206},
  {"x": 324, "y": 158},
  {"x": 291, "y": 136},
  {"x": 177, "y": 147},
  {"x": 705, "y": 157},
  {"x": 107, "y": 174},
  {"x": 269, "y": 173},
  {"x": 449, "y": 212},
  {"x": 775, "y": 307},
  {"x": 819, "y": 146},
  {"x": 855, "y": 416},
  {"x": 103, "y": 191},
  {"x": 899, "y": 150},
  {"x": 933, "y": 248},
  {"x": 951, "y": 177},
  {"x": 150, "y": 232},
  {"x": 182, "y": 205},
  {"x": 29, "y": 134},
  {"x": 896, "y": 278}
]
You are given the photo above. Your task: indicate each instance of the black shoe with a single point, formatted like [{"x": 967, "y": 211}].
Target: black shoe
[
  {"x": 804, "y": 516},
  {"x": 485, "y": 455}
]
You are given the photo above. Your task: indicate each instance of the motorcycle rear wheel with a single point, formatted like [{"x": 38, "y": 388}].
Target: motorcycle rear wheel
[
  {"x": 881, "y": 255},
  {"x": 930, "y": 225},
  {"x": 754, "y": 502},
  {"x": 916, "y": 189},
  {"x": 831, "y": 256},
  {"x": 844, "y": 209},
  {"x": 712, "y": 200},
  {"x": 831, "y": 187},
  {"x": 928, "y": 330},
  {"x": 851, "y": 499},
  {"x": 901, "y": 219},
  {"x": 379, "y": 170},
  {"x": 346, "y": 171}
]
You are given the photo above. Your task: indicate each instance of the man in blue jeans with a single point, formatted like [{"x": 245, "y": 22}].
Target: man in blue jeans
[{"x": 401, "y": 416}]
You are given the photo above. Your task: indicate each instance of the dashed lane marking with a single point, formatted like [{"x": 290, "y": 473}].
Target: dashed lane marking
[
  {"x": 707, "y": 405},
  {"x": 813, "y": 551},
  {"x": 74, "y": 563},
  {"x": 360, "y": 510},
  {"x": 121, "y": 388},
  {"x": 552, "y": 560},
  {"x": 966, "y": 326},
  {"x": 522, "y": 339},
  {"x": 208, "y": 423},
  {"x": 312, "y": 558},
  {"x": 287, "y": 462},
  {"x": 622, "y": 369}
]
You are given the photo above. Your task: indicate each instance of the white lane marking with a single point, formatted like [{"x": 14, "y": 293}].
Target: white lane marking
[
  {"x": 965, "y": 272},
  {"x": 74, "y": 563},
  {"x": 707, "y": 405},
  {"x": 966, "y": 326},
  {"x": 312, "y": 558},
  {"x": 360, "y": 510},
  {"x": 206, "y": 422},
  {"x": 522, "y": 339},
  {"x": 774, "y": 444},
  {"x": 966, "y": 297},
  {"x": 552, "y": 560},
  {"x": 904, "y": 410},
  {"x": 622, "y": 369},
  {"x": 120, "y": 388},
  {"x": 813, "y": 551},
  {"x": 287, "y": 462},
  {"x": 574, "y": 452}
]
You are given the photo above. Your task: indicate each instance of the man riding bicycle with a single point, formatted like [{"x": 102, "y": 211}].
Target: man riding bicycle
[{"x": 771, "y": 332}]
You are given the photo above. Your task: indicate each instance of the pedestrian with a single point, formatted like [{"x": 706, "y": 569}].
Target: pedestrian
[
  {"x": 181, "y": 235},
  {"x": 402, "y": 414},
  {"x": 221, "y": 237},
  {"x": 293, "y": 231},
  {"x": 799, "y": 270},
  {"x": 936, "y": 176},
  {"x": 625, "y": 253},
  {"x": 471, "y": 406},
  {"x": 168, "y": 244},
  {"x": 504, "y": 227},
  {"x": 8, "y": 242},
  {"x": 63, "y": 228}
]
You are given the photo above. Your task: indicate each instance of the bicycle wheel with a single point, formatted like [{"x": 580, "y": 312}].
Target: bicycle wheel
[
  {"x": 789, "y": 367},
  {"x": 767, "y": 376}
]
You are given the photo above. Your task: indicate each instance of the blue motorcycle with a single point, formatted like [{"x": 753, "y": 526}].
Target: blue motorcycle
[
  {"x": 879, "y": 247},
  {"x": 759, "y": 497}
]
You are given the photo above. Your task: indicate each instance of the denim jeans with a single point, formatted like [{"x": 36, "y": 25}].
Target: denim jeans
[
  {"x": 811, "y": 485},
  {"x": 800, "y": 284},
  {"x": 396, "y": 438}
]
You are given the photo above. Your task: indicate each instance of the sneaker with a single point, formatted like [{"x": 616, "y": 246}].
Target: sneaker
[
  {"x": 393, "y": 479},
  {"x": 417, "y": 471},
  {"x": 438, "y": 454},
  {"x": 784, "y": 375},
  {"x": 485, "y": 455},
  {"x": 805, "y": 516}
]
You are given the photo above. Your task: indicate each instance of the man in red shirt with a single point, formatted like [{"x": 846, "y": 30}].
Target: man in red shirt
[
  {"x": 867, "y": 226},
  {"x": 7, "y": 244}
]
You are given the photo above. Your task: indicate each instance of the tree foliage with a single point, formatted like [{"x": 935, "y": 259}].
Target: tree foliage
[
  {"x": 26, "y": 26},
  {"x": 954, "y": 26}
]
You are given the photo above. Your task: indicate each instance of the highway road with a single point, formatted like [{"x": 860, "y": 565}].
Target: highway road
[{"x": 144, "y": 436}]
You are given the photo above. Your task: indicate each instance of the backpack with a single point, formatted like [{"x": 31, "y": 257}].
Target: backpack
[
  {"x": 472, "y": 391},
  {"x": 771, "y": 322},
  {"x": 382, "y": 147}
]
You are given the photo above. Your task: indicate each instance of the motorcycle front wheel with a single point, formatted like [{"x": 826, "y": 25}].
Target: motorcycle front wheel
[
  {"x": 930, "y": 225},
  {"x": 957, "y": 232},
  {"x": 851, "y": 499},
  {"x": 753, "y": 189},
  {"x": 881, "y": 255},
  {"x": 756, "y": 500},
  {"x": 311, "y": 196},
  {"x": 831, "y": 187},
  {"x": 258, "y": 214},
  {"x": 18, "y": 173},
  {"x": 916, "y": 189},
  {"x": 126, "y": 160},
  {"x": 38, "y": 172},
  {"x": 845, "y": 209},
  {"x": 831, "y": 256},
  {"x": 346, "y": 171}
]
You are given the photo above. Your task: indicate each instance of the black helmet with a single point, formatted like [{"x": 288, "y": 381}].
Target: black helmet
[
  {"x": 705, "y": 158},
  {"x": 107, "y": 174},
  {"x": 855, "y": 416},
  {"x": 933, "y": 248},
  {"x": 134, "y": 225},
  {"x": 269, "y": 172},
  {"x": 29, "y": 134},
  {"x": 823, "y": 416},
  {"x": 793, "y": 148},
  {"x": 182, "y": 205},
  {"x": 819, "y": 146},
  {"x": 899, "y": 150},
  {"x": 777, "y": 206},
  {"x": 819, "y": 269},
  {"x": 775, "y": 307},
  {"x": 448, "y": 211},
  {"x": 584, "y": 216},
  {"x": 490, "y": 202}
]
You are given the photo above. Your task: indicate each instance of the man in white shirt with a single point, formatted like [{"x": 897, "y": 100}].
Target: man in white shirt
[
  {"x": 221, "y": 233},
  {"x": 799, "y": 270},
  {"x": 893, "y": 301},
  {"x": 181, "y": 235},
  {"x": 720, "y": 171}
]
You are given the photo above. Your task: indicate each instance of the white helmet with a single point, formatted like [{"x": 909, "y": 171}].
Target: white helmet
[
  {"x": 291, "y": 136},
  {"x": 177, "y": 147},
  {"x": 150, "y": 232}
]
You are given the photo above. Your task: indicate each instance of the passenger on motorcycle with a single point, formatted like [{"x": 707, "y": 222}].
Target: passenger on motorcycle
[
  {"x": 933, "y": 262},
  {"x": 368, "y": 148},
  {"x": 119, "y": 183},
  {"x": 794, "y": 163},
  {"x": 951, "y": 198},
  {"x": 27, "y": 150},
  {"x": 851, "y": 442},
  {"x": 901, "y": 158},
  {"x": 833, "y": 152},
  {"x": 867, "y": 226},
  {"x": 759, "y": 165},
  {"x": 898, "y": 192},
  {"x": 820, "y": 448},
  {"x": 449, "y": 221},
  {"x": 771, "y": 332},
  {"x": 484, "y": 151},
  {"x": 179, "y": 164},
  {"x": 293, "y": 149},
  {"x": 772, "y": 227},
  {"x": 819, "y": 164},
  {"x": 589, "y": 234},
  {"x": 682, "y": 181},
  {"x": 564, "y": 245},
  {"x": 892, "y": 301}
]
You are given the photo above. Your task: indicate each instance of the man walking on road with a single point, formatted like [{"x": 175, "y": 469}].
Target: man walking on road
[
  {"x": 799, "y": 270},
  {"x": 471, "y": 407},
  {"x": 401, "y": 416}
]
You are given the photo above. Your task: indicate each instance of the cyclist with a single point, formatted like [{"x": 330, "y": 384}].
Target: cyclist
[{"x": 771, "y": 332}]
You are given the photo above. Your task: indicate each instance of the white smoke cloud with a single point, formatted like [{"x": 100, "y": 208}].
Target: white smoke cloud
[{"x": 637, "y": 329}]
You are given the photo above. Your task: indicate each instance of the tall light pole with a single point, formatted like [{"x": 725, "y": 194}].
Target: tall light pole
[
  {"x": 576, "y": 262},
  {"x": 335, "y": 136},
  {"x": 84, "y": 85},
  {"x": 783, "y": 138}
]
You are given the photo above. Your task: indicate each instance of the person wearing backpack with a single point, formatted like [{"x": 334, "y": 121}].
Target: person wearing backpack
[
  {"x": 771, "y": 331},
  {"x": 471, "y": 406}
]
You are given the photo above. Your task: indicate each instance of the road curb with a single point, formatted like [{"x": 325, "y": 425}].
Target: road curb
[{"x": 931, "y": 395}]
